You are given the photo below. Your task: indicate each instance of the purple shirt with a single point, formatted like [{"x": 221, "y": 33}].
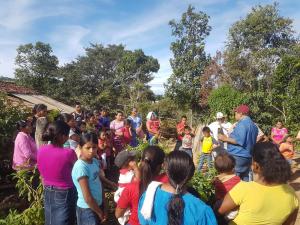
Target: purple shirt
[
  {"x": 25, "y": 151},
  {"x": 55, "y": 165}
]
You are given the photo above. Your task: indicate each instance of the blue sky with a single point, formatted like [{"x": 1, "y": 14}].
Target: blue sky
[{"x": 70, "y": 25}]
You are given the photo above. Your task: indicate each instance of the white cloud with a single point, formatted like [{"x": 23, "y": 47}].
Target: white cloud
[{"x": 68, "y": 42}]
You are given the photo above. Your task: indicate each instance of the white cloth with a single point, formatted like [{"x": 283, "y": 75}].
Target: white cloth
[
  {"x": 214, "y": 126},
  {"x": 125, "y": 178},
  {"x": 147, "y": 206}
]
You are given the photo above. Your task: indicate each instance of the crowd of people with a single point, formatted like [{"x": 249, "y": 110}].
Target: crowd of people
[{"x": 75, "y": 153}]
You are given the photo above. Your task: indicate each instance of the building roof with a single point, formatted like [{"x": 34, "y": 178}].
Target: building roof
[
  {"x": 30, "y": 97},
  {"x": 10, "y": 87}
]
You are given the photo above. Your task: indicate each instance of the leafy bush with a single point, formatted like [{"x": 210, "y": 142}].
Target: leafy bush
[
  {"x": 203, "y": 184},
  {"x": 34, "y": 214},
  {"x": 224, "y": 99}
]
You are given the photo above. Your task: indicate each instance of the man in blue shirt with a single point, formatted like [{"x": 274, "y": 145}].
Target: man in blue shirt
[
  {"x": 241, "y": 141},
  {"x": 104, "y": 121}
]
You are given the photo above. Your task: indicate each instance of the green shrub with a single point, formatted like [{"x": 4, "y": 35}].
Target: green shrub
[
  {"x": 34, "y": 214},
  {"x": 203, "y": 184}
]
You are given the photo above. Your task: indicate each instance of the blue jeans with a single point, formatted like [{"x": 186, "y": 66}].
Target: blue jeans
[
  {"x": 242, "y": 167},
  {"x": 60, "y": 205},
  {"x": 205, "y": 157},
  {"x": 87, "y": 217}
]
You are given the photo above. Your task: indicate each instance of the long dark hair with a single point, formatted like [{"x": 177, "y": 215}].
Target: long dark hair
[
  {"x": 274, "y": 167},
  {"x": 66, "y": 117},
  {"x": 152, "y": 159},
  {"x": 55, "y": 131},
  {"x": 180, "y": 168}
]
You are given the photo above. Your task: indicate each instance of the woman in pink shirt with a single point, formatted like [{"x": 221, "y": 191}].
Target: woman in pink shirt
[
  {"x": 25, "y": 149},
  {"x": 55, "y": 164},
  {"x": 116, "y": 127},
  {"x": 278, "y": 133}
]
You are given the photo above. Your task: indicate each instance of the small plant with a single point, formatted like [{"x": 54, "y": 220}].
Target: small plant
[
  {"x": 139, "y": 148},
  {"x": 30, "y": 188},
  {"x": 203, "y": 184}
]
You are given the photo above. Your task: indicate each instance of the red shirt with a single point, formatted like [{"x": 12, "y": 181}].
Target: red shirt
[
  {"x": 130, "y": 198},
  {"x": 107, "y": 149},
  {"x": 126, "y": 135},
  {"x": 222, "y": 187},
  {"x": 153, "y": 125},
  {"x": 180, "y": 126}
]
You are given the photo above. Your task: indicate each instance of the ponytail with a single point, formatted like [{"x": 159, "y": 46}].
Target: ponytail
[
  {"x": 146, "y": 176},
  {"x": 175, "y": 210},
  {"x": 180, "y": 169},
  {"x": 152, "y": 159},
  {"x": 55, "y": 131}
]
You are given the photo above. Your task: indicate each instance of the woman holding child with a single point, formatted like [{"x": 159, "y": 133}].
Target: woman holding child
[
  {"x": 153, "y": 127},
  {"x": 268, "y": 199},
  {"x": 151, "y": 164}
]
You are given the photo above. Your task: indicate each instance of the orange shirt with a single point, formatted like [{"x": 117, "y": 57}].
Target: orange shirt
[
  {"x": 180, "y": 127},
  {"x": 287, "y": 150}
]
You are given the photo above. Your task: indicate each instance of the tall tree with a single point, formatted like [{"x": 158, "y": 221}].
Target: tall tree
[
  {"x": 286, "y": 88},
  {"x": 255, "y": 46},
  {"x": 189, "y": 57},
  {"x": 213, "y": 77},
  {"x": 108, "y": 75},
  {"x": 37, "y": 67},
  {"x": 135, "y": 71}
]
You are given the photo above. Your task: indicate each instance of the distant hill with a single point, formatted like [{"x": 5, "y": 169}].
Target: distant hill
[{"x": 7, "y": 79}]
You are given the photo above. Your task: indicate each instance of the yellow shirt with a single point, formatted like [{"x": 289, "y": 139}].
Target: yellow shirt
[
  {"x": 207, "y": 144},
  {"x": 263, "y": 205}
]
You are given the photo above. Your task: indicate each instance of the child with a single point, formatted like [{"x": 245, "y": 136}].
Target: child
[
  {"x": 116, "y": 128},
  {"x": 225, "y": 180},
  {"x": 82, "y": 128},
  {"x": 104, "y": 148},
  {"x": 73, "y": 136},
  {"x": 187, "y": 141},
  {"x": 90, "y": 123},
  {"x": 287, "y": 148},
  {"x": 129, "y": 172},
  {"x": 127, "y": 132},
  {"x": 86, "y": 178},
  {"x": 104, "y": 121},
  {"x": 208, "y": 143}
]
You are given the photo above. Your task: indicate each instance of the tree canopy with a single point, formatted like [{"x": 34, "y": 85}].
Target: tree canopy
[{"x": 189, "y": 59}]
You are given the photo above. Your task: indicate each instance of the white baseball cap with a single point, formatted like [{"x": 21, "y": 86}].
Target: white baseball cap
[{"x": 220, "y": 115}]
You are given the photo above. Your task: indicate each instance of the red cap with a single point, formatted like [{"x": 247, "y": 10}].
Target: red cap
[{"x": 244, "y": 109}]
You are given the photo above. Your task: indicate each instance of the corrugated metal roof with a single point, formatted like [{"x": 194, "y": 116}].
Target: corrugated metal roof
[{"x": 49, "y": 102}]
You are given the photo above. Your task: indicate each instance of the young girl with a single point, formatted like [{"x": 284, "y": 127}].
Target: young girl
[
  {"x": 73, "y": 136},
  {"x": 90, "y": 122},
  {"x": 55, "y": 164},
  {"x": 104, "y": 147},
  {"x": 268, "y": 199},
  {"x": 86, "y": 177},
  {"x": 116, "y": 128},
  {"x": 170, "y": 203},
  {"x": 187, "y": 141},
  {"x": 127, "y": 132}
]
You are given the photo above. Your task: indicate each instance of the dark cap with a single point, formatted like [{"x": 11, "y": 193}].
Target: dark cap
[
  {"x": 123, "y": 156},
  {"x": 244, "y": 109}
]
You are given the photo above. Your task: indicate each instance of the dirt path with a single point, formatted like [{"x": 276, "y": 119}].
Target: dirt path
[{"x": 295, "y": 183}]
